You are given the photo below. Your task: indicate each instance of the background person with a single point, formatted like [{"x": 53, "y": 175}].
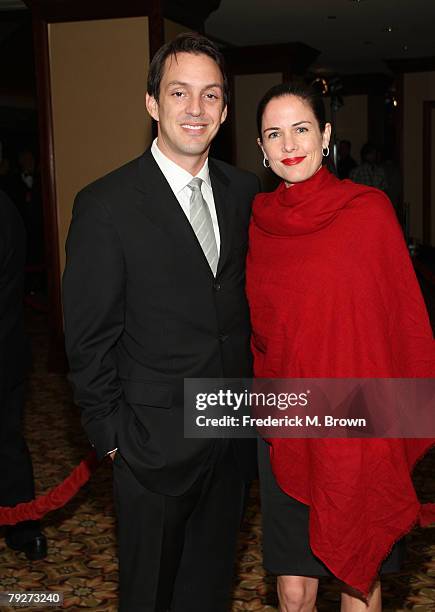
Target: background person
[
  {"x": 16, "y": 482},
  {"x": 332, "y": 294},
  {"x": 29, "y": 201},
  {"x": 369, "y": 172},
  {"x": 345, "y": 163}
]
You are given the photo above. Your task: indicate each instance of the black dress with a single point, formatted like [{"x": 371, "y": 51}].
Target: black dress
[{"x": 286, "y": 546}]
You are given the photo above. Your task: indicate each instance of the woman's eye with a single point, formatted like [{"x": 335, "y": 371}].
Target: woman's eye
[
  {"x": 301, "y": 130},
  {"x": 273, "y": 135}
]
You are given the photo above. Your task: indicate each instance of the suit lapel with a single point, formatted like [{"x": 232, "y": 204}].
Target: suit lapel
[
  {"x": 162, "y": 208},
  {"x": 224, "y": 209}
]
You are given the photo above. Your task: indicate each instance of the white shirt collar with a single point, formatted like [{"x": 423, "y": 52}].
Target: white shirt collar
[{"x": 176, "y": 176}]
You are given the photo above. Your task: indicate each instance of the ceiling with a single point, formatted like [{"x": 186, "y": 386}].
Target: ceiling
[
  {"x": 354, "y": 41},
  {"x": 9, "y": 5},
  {"x": 351, "y": 34}
]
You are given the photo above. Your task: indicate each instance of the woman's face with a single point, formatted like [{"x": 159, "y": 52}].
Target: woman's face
[{"x": 291, "y": 139}]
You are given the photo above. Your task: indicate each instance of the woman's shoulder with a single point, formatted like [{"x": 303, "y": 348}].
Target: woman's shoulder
[
  {"x": 371, "y": 220},
  {"x": 368, "y": 203}
]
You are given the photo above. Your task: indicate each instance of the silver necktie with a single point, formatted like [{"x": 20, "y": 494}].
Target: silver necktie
[{"x": 200, "y": 219}]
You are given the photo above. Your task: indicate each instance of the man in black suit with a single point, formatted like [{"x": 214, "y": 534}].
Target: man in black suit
[
  {"x": 154, "y": 293},
  {"x": 16, "y": 482}
]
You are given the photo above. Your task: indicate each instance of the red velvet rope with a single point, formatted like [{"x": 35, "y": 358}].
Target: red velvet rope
[
  {"x": 63, "y": 492},
  {"x": 55, "y": 498}
]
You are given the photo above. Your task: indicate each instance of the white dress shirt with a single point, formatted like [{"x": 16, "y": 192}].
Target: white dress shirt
[{"x": 178, "y": 179}]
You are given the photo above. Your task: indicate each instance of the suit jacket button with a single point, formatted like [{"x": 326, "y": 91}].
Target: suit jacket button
[
  {"x": 217, "y": 287},
  {"x": 223, "y": 337}
]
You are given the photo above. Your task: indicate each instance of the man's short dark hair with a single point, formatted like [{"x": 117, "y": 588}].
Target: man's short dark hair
[{"x": 187, "y": 42}]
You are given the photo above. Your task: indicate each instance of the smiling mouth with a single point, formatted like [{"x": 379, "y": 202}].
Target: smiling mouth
[
  {"x": 292, "y": 161},
  {"x": 195, "y": 127}
]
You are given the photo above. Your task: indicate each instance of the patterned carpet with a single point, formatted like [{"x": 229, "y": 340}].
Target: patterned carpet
[{"x": 82, "y": 562}]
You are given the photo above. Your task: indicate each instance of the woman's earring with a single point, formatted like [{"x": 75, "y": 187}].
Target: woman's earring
[
  {"x": 266, "y": 162},
  {"x": 325, "y": 151}
]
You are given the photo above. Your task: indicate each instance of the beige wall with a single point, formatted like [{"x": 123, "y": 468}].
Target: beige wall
[
  {"x": 172, "y": 29},
  {"x": 98, "y": 77},
  {"x": 248, "y": 90},
  {"x": 351, "y": 122},
  {"x": 418, "y": 87}
]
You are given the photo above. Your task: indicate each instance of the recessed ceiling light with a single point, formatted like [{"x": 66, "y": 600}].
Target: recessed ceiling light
[{"x": 388, "y": 28}]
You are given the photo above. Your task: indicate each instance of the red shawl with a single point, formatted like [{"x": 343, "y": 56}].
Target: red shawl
[{"x": 333, "y": 294}]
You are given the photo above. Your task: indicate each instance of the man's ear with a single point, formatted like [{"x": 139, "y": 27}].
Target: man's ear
[
  {"x": 152, "y": 106},
  {"x": 224, "y": 114}
]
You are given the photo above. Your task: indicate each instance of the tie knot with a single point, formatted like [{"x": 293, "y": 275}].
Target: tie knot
[{"x": 195, "y": 184}]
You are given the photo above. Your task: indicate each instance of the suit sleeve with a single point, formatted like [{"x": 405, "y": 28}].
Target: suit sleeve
[{"x": 93, "y": 300}]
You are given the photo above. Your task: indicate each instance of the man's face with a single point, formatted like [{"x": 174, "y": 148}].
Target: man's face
[{"x": 190, "y": 108}]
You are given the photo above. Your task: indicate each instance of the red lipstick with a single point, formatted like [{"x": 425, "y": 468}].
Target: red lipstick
[{"x": 292, "y": 161}]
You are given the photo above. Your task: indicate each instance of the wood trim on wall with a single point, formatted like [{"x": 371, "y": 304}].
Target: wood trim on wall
[
  {"x": 370, "y": 84},
  {"x": 428, "y": 108},
  {"x": 232, "y": 147},
  {"x": 399, "y": 119},
  {"x": 156, "y": 27},
  {"x": 48, "y": 184},
  {"x": 156, "y": 40},
  {"x": 45, "y": 12},
  {"x": 288, "y": 58},
  {"x": 54, "y": 11},
  {"x": 412, "y": 64},
  {"x": 16, "y": 56},
  {"x": 14, "y": 15}
]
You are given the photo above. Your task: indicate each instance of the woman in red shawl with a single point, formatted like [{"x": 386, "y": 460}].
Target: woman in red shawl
[{"x": 332, "y": 294}]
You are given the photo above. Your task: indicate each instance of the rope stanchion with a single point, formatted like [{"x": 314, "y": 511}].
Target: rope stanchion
[{"x": 57, "y": 497}]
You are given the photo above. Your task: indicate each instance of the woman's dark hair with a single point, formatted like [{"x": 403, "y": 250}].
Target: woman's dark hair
[
  {"x": 187, "y": 42},
  {"x": 304, "y": 92}
]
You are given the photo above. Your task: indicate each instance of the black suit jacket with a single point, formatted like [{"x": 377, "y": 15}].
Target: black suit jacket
[
  {"x": 14, "y": 347},
  {"x": 143, "y": 311}
]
